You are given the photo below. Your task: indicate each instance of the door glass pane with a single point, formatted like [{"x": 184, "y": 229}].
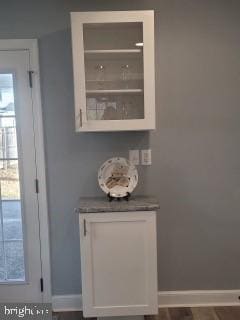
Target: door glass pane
[
  {"x": 113, "y": 57},
  {"x": 11, "y": 231},
  {"x": 14, "y": 260}
]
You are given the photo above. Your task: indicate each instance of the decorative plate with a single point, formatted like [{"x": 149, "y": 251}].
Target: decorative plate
[{"x": 117, "y": 177}]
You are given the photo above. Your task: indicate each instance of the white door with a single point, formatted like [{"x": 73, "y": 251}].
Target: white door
[
  {"x": 119, "y": 263},
  {"x": 20, "y": 262}
]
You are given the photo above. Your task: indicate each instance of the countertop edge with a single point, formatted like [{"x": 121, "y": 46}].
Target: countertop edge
[{"x": 100, "y": 205}]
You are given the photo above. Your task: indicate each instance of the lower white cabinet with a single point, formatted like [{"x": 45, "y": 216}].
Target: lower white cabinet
[{"x": 119, "y": 263}]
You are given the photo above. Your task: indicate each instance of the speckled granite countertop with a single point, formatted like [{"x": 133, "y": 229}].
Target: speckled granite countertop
[{"x": 95, "y": 205}]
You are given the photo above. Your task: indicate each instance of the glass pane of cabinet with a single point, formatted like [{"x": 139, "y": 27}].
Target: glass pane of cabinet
[
  {"x": 113, "y": 58},
  {"x": 112, "y": 36}
]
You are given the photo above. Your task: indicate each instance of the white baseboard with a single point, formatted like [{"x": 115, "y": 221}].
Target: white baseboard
[
  {"x": 69, "y": 302},
  {"x": 170, "y": 299},
  {"x": 166, "y": 299}
]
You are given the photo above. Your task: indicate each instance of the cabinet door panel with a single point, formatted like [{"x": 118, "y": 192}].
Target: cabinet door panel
[
  {"x": 119, "y": 258},
  {"x": 118, "y": 253}
]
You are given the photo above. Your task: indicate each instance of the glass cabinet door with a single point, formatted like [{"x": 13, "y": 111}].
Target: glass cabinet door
[{"x": 113, "y": 59}]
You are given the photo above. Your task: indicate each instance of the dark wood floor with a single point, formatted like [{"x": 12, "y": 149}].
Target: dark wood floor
[{"x": 216, "y": 313}]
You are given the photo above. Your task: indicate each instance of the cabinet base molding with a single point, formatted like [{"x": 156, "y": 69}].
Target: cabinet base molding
[{"x": 166, "y": 299}]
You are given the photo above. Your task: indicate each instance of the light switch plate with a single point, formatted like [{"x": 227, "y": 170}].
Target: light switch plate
[
  {"x": 134, "y": 157},
  {"x": 146, "y": 157}
]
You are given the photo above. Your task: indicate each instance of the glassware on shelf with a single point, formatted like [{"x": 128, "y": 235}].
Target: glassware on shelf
[
  {"x": 124, "y": 110},
  {"x": 110, "y": 113},
  {"x": 91, "y": 108},
  {"x": 101, "y": 107},
  {"x": 100, "y": 68},
  {"x": 125, "y": 76}
]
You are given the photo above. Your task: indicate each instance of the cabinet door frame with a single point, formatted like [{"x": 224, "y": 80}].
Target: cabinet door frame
[
  {"x": 85, "y": 220},
  {"x": 77, "y": 21}
]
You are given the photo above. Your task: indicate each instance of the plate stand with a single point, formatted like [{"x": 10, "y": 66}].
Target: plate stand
[{"x": 111, "y": 198}]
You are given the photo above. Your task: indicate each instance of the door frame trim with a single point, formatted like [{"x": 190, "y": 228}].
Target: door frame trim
[{"x": 32, "y": 46}]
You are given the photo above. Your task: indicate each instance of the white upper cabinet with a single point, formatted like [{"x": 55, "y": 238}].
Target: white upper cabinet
[{"x": 114, "y": 75}]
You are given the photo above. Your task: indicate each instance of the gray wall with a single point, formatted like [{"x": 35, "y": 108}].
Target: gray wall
[{"x": 196, "y": 156}]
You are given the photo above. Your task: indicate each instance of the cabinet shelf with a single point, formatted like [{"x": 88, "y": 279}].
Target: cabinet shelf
[
  {"x": 113, "y": 54},
  {"x": 113, "y": 51},
  {"x": 114, "y": 91}
]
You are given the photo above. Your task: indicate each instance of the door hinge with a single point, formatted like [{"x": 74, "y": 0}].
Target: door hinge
[
  {"x": 41, "y": 284},
  {"x": 30, "y": 73},
  {"x": 36, "y": 186}
]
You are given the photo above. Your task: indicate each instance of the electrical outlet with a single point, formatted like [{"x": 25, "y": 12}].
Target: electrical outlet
[
  {"x": 134, "y": 157},
  {"x": 146, "y": 157}
]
